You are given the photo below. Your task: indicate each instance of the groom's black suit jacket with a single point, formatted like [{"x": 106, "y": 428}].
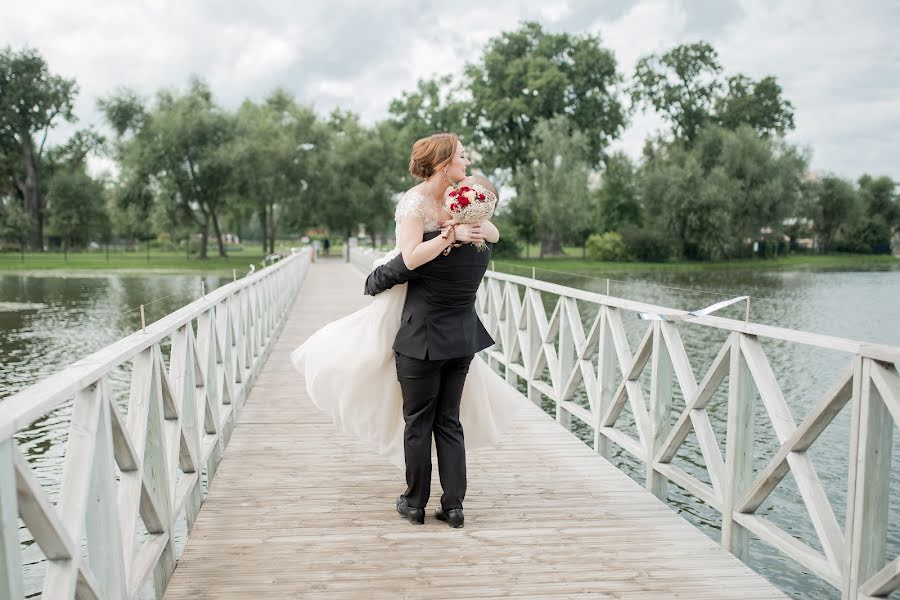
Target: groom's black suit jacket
[{"x": 438, "y": 319}]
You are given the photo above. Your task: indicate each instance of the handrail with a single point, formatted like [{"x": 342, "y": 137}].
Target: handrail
[
  {"x": 149, "y": 465},
  {"x": 599, "y": 363}
]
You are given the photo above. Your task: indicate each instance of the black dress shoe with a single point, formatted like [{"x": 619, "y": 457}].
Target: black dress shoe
[
  {"x": 415, "y": 515},
  {"x": 453, "y": 517}
]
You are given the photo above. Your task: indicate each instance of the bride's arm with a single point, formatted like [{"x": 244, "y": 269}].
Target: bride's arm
[
  {"x": 490, "y": 232},
  {"x": 416, "y": 252}
]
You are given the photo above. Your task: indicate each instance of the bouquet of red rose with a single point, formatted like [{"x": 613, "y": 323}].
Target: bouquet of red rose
[{"x": 471, "y": 204}]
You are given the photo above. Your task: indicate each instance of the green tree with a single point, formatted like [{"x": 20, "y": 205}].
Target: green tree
[
  {"x": 722, "y": 190},
  {"x": 767, "y": 175},
  {"x": 681, "y": 84},
  {"x": 529, "y": 75},
  {"x": 617, "y": 199},
  {"x": 177, "y": 150},
  {"x": 273, "y": 153},
  {"x": 358, "y": 178},
  {"x": 687, "y": 202},
  {"x": 758, "y": 104},
  {"x": 685, "y": 85},
  {"x": 835, "y": 209},
  {"x": 878, "y": 199},
  {"x": 555, "y": 182},
  {"x": 435, "y": 105},
  {"x": 31, "y": 100},
  {"x": 76, "y": 206}
]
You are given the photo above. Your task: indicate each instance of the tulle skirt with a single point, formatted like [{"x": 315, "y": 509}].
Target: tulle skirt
[{"x": 351, "y": 375}]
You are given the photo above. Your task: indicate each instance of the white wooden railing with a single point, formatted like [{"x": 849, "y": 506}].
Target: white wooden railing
[
  {"x": 129, "y": 480},
  {"x": 557, "y": 356}
]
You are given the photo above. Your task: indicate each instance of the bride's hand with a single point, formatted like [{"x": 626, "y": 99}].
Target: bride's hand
[{"x": 469, "y": 232}]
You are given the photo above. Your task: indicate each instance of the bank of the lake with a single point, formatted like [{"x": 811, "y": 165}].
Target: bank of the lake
[
  {"x": 170, "y": 263},
  {"x": 577, "y": 265}
]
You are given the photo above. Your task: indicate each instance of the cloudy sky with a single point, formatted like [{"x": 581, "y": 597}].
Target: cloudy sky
[{"x": 838, "y": 61}]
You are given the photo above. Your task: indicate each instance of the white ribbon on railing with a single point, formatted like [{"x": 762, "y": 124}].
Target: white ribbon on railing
[{"x": 695, "y": 313}]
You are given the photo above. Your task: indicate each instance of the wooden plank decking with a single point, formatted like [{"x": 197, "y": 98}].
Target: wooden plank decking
[{"x": 298, "y": 510}]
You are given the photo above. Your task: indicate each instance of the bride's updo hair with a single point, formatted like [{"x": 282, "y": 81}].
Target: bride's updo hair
[{"x": 431, "y": 154}]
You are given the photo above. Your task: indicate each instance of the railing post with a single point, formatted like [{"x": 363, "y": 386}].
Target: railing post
[
  {"x": 511, "y": 326},
  {"x": 565, "y": 363},
  {"x": 739, "y": 451},
  {"x": 660, "y": 407},
  {"x": 606, "y": 384},
  {"x": 11, "y": 585},
  {"x": 533, "y": 335},
  {"x": 871, "y": 436}
]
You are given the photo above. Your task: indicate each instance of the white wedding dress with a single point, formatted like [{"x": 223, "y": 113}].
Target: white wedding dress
[{"x": 351, "y": 375}]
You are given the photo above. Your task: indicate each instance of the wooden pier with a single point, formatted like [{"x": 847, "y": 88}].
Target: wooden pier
[{"x": 299, "y": 510}]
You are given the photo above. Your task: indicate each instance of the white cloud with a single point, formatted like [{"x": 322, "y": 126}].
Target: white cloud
[{"x": 837, "y": 61}]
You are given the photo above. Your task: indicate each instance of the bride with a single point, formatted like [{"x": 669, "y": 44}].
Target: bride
[{"x": 349, "y": 365}]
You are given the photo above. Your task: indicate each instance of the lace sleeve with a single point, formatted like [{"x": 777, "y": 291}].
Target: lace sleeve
[{"x": 412, "y": 203}]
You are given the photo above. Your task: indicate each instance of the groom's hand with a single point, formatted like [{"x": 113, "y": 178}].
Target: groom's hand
[{"x": 469, "y": 232}]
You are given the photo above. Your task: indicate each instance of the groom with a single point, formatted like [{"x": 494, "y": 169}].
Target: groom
[{"x": 438, "y": 338}]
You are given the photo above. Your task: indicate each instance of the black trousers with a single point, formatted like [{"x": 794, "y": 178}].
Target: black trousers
[{"x": 431, "y": 393}]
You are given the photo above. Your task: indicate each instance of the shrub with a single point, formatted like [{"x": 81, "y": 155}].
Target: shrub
[
  {"x": 647, "y": 245},
  {"x": 606, "y": 246}
]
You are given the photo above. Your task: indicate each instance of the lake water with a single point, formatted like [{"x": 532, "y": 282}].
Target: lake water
[{"x": 48, "y": 322}]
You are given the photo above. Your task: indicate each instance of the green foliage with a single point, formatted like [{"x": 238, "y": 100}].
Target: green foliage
[
  {"x": 528, "y": 76},
  {"x": 618, "y": 201},
  {"x": 719, "y": 192},
  {"x": 180, "y": 150},
  {"x": 552, "y": 187},
  {"x": 834, "y": 206},
  {"x": 435, "y": 105},
  {"x": 646, "y": 244},
  {"x": 681, "y": 84},
  {"x": 869, "y": 235},
  {"x": 685, "y": 85},
  {"x": 758, "y": 104},
  {"x": 879, "y": 200},
  {"x": 76, "y": 206},
  {"x": 607, "y": 247},
  {"x": 31, "y": 99}
]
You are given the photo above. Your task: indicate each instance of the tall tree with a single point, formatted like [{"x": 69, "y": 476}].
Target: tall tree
[
  {"x": 31, "y": 100},
  {"x": 722, "y": 190},
  {"x": 435, "y": 105},
  {"x": 272, "y": 153},
  {"x": 529, "y": 75},
  {"x": 178, "y": 149},
  {"x": 685, "y": 85},
  {"x": 555, "y": 182},
  {"x": 76, "y": 207},
  {"x": 681, "y": 84},
  {"x": 835, "y": 208},
  {"x": 618, "y": 202},
  {"x": 357, "y": 184}
]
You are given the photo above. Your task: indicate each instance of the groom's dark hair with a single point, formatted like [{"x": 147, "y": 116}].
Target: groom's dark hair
[{"x": 482, "y": 180}]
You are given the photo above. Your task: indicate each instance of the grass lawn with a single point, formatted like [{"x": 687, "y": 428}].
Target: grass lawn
[{"x": 167, "y": 262}]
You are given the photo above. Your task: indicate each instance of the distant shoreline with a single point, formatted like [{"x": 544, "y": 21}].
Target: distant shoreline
[{"x": 568, "y": 264}]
